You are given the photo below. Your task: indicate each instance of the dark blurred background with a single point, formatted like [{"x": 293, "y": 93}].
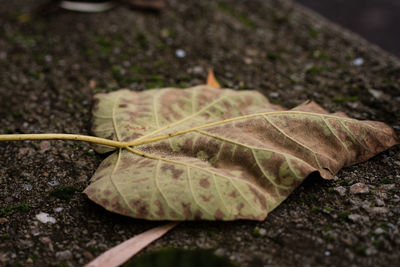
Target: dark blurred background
[{"x": 376, "y": 20}]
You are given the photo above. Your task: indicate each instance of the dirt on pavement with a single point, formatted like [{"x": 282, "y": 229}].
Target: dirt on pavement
[{"x": 51, "y": 67}]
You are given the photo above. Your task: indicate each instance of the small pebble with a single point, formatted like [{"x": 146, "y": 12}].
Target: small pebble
[
  {"x": 88, "y": 255},
  {"x": 379, "y": 210},
  {"x": 341, "y": 190},
  {"x": 327, "y": 253},
  {"x": 45, "y": 218},
  {"x": 358, "y": 61},
  {"x": 54, "y": 183},
  {"x": 391, "y": 225},
  {"x": 64, "y": 255},
  {"x": 248, "y": 60},
  {"x": 44, "y": 146},
  {"x": 359, "y": 188},
  {"x": 379, "y": 202},
  {"x": 262, "y": 231},
  {"x": 35, "y": 232},
  {"x": 197, "y": 70},
  {"x": 48, "y": 58},
  {"x": 28, "y": 187},
  {"x": 45, "y": 240},
  {"x": 180, "y": 53},
  {"x": 371, "y": 251},
  {"x": 358, "y": 218},
  {"x": 219, "y": 252},
  {"x": 387, "y": 186},
  {"x": 59, "y": 209},
  {"x": 379, "y": 231},
  {"x": 376, "y": 93},
  {"x": 274, "y": 94},
  {"x": 3, "y": 55}
]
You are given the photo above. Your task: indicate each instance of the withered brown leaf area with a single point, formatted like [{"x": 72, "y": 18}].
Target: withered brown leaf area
[{"x": 218, "y": 154}]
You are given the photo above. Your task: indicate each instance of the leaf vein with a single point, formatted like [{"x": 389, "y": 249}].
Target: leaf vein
[
  {"x": 231, "y": 179},
  {"x": 192, "y": 192},
  {"x": 295, "y": 141}
]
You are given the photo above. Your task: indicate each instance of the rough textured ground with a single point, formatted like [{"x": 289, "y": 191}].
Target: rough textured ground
[
  {"x": 51, "y": 67},
  {"x": 376, "y": 20}
]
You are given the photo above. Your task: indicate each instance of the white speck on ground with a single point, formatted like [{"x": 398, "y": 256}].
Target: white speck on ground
[
  {"x": 180, "y": 53},
  {"x": 45, "y": 218},
  {"x": 358, "y": 61},
  {"x": 54, "y": 183}
]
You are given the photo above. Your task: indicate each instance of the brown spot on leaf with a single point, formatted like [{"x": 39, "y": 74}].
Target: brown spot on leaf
[
  {"x": 176, "y": 173},
  {"x": 205, "y": 183},
  {"x": 160, "y": 211},
  {"x": 140, "y": 207},
  {"x": 90, "y": 191},
  {"x": 218, "y": 215},
  {"x": 197, "y": 215},
  {"x": 258, "y": 196},
  {"x": 104, "y": 202},
  {"x": 116, "y": 206},
  {"x": 186, "y": 210},
  {"x": 122, "y": 105},
  {"x": 205, "y": 198},
  {"x": 233, "y": 194},
  {"x": 239, "y": 207},
  {"x": 107, "y": 192}
]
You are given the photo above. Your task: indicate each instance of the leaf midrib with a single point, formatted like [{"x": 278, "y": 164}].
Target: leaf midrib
[{"x": 139, "y": 141}]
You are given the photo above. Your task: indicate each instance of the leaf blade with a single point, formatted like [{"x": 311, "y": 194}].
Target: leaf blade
[{"x": 218, "y": 166}]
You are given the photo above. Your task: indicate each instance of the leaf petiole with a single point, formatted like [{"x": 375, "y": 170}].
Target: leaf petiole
[{"x": 73, "y": 137}]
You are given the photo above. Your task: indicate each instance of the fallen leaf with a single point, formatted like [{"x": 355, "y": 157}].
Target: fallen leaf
[
  {"x": 212, "y": 154},
  {"x": 122, "y": 252}
]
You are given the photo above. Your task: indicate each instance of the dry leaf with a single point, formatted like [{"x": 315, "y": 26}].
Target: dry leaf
[
  {"x": 212, "y": 154},
  {"x": 122, "y": 252},
  {"x": 211, "y": 81}
]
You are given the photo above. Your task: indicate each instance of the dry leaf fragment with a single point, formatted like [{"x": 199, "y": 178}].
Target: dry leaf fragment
[
  {"x": 211, "y": 80},
  {"x": 122, "y": 252},
  {"x": 212, "y": 154}
]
